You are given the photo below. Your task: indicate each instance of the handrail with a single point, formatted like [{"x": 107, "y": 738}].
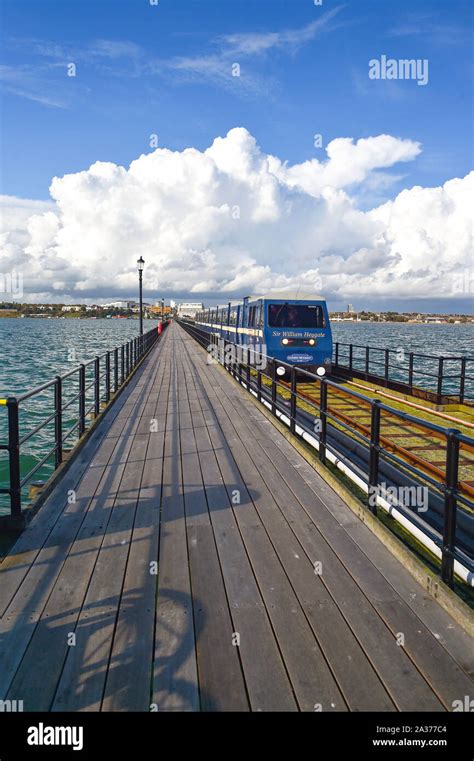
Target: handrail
[{"x": 406, "y": 371}]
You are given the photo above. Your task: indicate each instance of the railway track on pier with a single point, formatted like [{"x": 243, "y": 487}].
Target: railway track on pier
[{"x": 411, "y": 442}]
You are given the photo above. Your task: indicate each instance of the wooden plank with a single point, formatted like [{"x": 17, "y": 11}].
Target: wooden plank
[
  {"x": 311, "y": 678},
  {"x": 82, "y": 681},
  {"x": 36, "y": 677},
  {"x": 265, "y": 676},
  {"x": 19, "y": 623},
  {"x": 221, "y": 682},
  {"x": 359, "y": 683},
  {"x": 175, "y": 676},
  {"x": 128, "y": 677}
]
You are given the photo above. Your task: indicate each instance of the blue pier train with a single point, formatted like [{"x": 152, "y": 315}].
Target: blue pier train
[{"x": 289, "y": 327}]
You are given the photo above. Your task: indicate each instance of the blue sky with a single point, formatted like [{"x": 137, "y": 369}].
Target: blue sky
[
  {"x": 379, "y": 219},
  {"x": 163, "y": 69}
]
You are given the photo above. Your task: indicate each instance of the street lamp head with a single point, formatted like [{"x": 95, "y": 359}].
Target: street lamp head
[{"x": 140, "y": 264}]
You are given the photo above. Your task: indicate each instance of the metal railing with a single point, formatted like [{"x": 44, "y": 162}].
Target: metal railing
[
  {"x": 446, "y": 378},
  {"x": 97, "y": 382},
  {"x": 285, "y": 401}
]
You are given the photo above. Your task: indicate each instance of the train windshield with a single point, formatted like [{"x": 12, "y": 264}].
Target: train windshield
[{"x": 296, "y": 316}]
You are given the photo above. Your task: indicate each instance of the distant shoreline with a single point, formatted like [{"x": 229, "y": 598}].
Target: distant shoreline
[
  {"x": 11, "y": 316},
  {"x": 400, "y": 322}
]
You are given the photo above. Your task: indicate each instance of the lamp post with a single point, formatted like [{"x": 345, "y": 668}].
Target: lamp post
[
  {"x": 162, "y": 310},
  {"x": 140, "y": 265}
]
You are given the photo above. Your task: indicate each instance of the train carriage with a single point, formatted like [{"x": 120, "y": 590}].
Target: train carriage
[{"x": 289, "y": 327}]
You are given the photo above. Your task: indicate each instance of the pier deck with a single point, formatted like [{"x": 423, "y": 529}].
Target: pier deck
[{"x": 191, "y": 559}]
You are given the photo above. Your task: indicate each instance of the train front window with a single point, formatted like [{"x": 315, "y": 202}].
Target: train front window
[{"x": 295, "y": 316}]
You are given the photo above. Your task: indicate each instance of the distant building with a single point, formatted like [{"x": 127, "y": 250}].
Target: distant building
[
  {"x": 71, "y": 308},
  {"x": 120, "y": 305},
  {"x": 350, "y": 308},
  {"x": 157, "y": 309},
  {"x": 189, "y": 308},
  {"x": 136, "y": 307}
]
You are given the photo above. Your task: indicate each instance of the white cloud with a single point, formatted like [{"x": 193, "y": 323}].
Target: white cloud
[
  {"x": 348, "y": 163},
  {"x": 234, "y": 220},
  {"x": 288, "y": 40},
  {"x": 216, "y": 66}
]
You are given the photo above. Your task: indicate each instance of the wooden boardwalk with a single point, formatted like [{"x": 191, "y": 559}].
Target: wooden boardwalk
[{"x": 182, "y": 575}]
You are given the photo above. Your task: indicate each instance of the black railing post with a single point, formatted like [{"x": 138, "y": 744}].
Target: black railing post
[
  {"x": 107, "y": 377},
  {"x": 336, "y": 359},
  {"x": 14, "y": 454},
  {"x": 367, "y": 359},
  {"x": 350, "y": 356},
  {"x": 115, "y": 370},
  {"x": 386, "y": 364},
  {"x": 293, "y": 401},
  {"x": 274, "y": 388},
  {"x": 450, "y": 507},
  {"x": 259, "y": 385},
  {"x": 235, "y": 364},
  {"x": 82, "y": 399},
  {"x": 238, "y": 365},
  {"x": 410, "y": 371},
  {"x": 127, "y": 358},
  {"x": 58, "y": 421},
  {"x": 97, "y": 386},
  {"x": 374, "y": 455},
  {"x": 323, "y": 407},
  {"x": 440, "y": 378},
  {"x": 462, "y": 380}
]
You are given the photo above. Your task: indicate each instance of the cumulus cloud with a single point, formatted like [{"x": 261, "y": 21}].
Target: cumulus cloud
[{"x": 233, "y": 220}]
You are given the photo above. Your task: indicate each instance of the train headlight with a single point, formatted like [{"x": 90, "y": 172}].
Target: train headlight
[
  {"x": 280, "y": 370},
  {"x": 321, "y": 371},
  {"x": 311, "y": 341},
  {"x": 284, "y": 341}
]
